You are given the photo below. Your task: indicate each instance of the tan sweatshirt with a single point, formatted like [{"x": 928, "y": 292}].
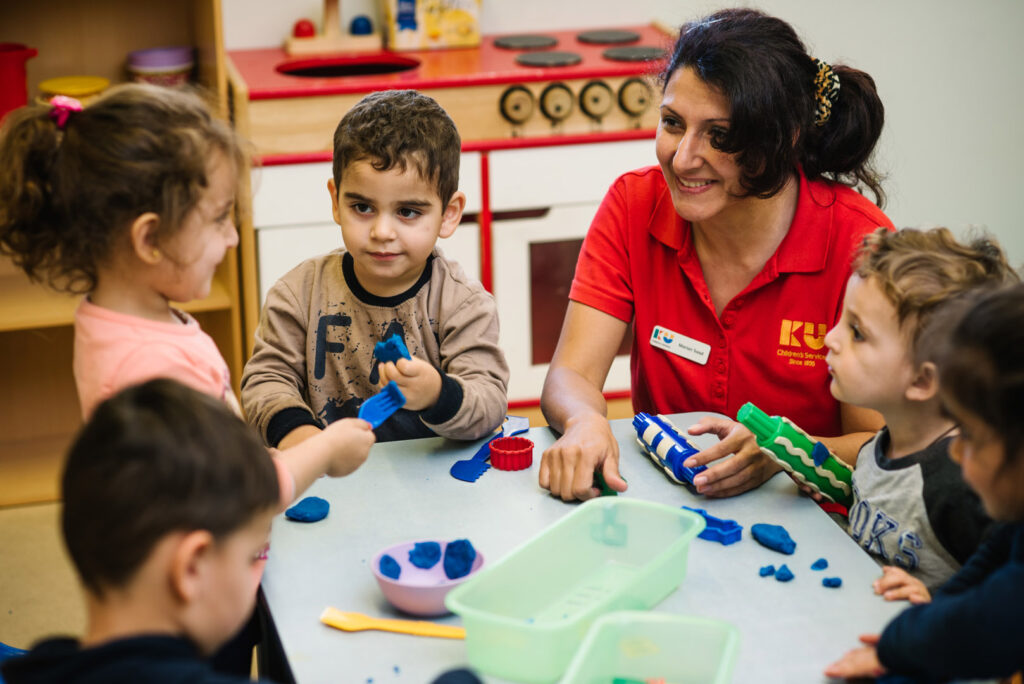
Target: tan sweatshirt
[{"x": 313, "y": 361}]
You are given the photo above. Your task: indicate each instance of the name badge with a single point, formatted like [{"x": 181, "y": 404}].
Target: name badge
[{"x": 680, "y": 345}]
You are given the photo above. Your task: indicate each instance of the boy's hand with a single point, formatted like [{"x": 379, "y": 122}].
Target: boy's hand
[
  {"x": 351, "y": 439},
  {"x": 748, "y": 467},
  {"x": 860, "y": 662},
  {"x": 419, "y": 381},
  {"x": 896, "y": 584}
]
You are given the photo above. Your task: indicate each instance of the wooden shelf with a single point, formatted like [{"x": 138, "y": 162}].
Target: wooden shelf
[{"x": 25, "y": 305}]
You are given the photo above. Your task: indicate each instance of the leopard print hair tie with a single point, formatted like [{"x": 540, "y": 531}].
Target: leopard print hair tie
[{"x": 826, "y": 90}]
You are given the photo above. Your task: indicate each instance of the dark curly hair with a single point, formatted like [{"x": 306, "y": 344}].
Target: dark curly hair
[
  {"x": 759, "y": 63},
  {"x": 394, "y": 128},
  {"x": 68, "y": 194}
]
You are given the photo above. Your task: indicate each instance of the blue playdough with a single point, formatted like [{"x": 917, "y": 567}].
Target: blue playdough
[
  {"x": 774, "y": 537},
  {"x": 767, "y": 570},
  {"x": 425, "y": 554},
  {"x": 389, "y": 567},
  {"x": 310, "y": 509},
  {"x": 458, "y": 558},
  {"x": 391, "y": 349},
  {"x": 783, "y": 574},
  {"x": 819, "y": 564},
  {"x": 832, "y": 582}
]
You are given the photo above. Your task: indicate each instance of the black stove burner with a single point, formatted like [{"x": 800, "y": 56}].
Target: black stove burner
[
  {"x": 633, "y": 53},
  {"x": 525, "y": 41},
  {"x": 548, "y": 59},
  {"x": 610, "y": 37}
]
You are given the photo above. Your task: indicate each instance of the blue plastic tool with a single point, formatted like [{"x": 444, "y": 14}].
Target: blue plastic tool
[
  {"x": 666, "y": 447},
  {"x": 391, "y": 349},
  {"x": 724, "y": 532},
  {"x": 381, "y": 405}
]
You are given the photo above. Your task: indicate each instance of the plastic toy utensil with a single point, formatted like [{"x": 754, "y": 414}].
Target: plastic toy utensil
[
  {"x": 470, "y": 469},
  {"x": 666, "y": 447},
  {"x": 391, "y": 349},
  {"x": 381, "y": 405},
  {"x": 356, "y": 622},
  {"x": 724, "y": 532}
]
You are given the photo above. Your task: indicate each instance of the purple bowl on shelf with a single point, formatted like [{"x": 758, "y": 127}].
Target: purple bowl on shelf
[
  {"x": 419, "y": 591},
  {"x": 161, "y": 57}
]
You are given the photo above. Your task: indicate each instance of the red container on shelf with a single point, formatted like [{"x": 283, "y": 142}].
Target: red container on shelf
[{"x": 13, "y": 89}]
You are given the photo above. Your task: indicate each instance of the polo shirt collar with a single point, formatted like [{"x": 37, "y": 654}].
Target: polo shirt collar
[{"x": 803, "y": 250}]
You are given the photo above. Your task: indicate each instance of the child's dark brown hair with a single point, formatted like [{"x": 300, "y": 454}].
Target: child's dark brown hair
[
  {"x": 981, "y": 363},
  {"x": 396, "y": 128},
  {"x": 158, "y": 458},
  {"x": 68, "y": 193}
]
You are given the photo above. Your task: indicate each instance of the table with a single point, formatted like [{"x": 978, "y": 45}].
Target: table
[{"x": 789, "y": 631}]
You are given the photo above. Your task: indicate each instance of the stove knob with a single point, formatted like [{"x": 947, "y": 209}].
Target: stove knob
[
  {"x": 635, "y": 97},
  {"x": 516, "y": 104},
  {"x": 556, "y": 102},
  {"x": 596, "y": 100}
]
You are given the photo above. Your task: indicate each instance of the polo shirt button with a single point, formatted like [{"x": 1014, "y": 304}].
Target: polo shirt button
[
  {"x": 719, "y": 392},
  {"x": 721, "y": 365},
  {"x": 728, "y": 319},
  {"x": 721, "y": 341}
]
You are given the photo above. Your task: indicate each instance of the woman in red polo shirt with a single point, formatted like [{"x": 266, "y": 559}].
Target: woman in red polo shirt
[{"x": 730, "y": 258}]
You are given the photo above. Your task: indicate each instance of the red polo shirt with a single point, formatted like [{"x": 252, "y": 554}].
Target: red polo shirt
[{"x": 639, "y": 265}]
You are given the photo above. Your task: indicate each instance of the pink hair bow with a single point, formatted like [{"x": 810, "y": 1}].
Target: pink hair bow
[{"x": 62, "y": 108}]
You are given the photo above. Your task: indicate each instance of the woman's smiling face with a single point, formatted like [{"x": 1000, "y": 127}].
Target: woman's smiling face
[{"x": 695, "y": 117}]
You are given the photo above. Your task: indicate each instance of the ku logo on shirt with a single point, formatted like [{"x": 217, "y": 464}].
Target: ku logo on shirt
[{"x": 802, "y": 343}]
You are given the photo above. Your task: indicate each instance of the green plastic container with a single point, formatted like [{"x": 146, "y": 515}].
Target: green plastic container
[
  {"x": 631, "y": 646},
  {"x": 526, "y": 615}
]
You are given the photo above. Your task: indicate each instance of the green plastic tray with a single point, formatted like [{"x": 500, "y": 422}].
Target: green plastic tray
[
  {"x": 632, "y": 646},
  {"x": 526, "y": 614}
]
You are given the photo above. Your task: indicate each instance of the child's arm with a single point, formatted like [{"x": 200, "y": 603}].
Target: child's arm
[
  {"x": 897, "y": 584},
  {"x": 274, "y": 381},
  {"x": 338, "y": 450},
  {"x": 473, "y": 375}
]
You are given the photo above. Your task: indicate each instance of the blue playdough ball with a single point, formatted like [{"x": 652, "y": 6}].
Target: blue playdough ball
[
  {"x": 832, "y": 582},
  {"x": 774, "y": 537},
  {"x": 767, "y": 570},
  {"x": 310, "y": 509},
  {"x": 819, "y": 564},
  {"x": 458, "y": 558},
  {"x": 425, "y": 554},
  {"x": 783, "y": 574},
  {"x": 360, "y": 26},
  {"x": 389, "y": 567}
]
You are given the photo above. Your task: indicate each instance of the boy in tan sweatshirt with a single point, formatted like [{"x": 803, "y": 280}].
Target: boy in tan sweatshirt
[{"x": 394, "y": 192}]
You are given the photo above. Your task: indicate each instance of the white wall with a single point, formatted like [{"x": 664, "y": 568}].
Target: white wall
[{"x": 948, "y": 73}]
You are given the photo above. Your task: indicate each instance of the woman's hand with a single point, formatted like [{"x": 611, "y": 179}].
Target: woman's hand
[
  {"x": 896, "y": 584},
  {"x": 567, "y": 466},
  {"x": 748, "y": 468},
  {"x": 860, "y": 662}
]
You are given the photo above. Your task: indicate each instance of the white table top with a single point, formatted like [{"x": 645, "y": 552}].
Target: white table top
[{"x": 789, "y": 631}]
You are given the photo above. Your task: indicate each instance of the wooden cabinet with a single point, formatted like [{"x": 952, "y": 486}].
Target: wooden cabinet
[{"x": 39, "y": 411}]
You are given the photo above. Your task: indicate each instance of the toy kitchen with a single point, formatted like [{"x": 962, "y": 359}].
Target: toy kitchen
[{"x": 547, "y": 121}]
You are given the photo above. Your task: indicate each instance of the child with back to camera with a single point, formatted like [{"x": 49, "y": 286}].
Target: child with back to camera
[
  {"x": 130, "y": 201},
  {"x": 911, "y": 510},
  {"x": 972, "y": 628},
  {"x": 394, "y": 192},
  {"x": 168, "y": 499}
]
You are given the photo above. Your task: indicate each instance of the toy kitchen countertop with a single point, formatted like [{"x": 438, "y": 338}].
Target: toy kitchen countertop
[{"x": 594, "y": 84}]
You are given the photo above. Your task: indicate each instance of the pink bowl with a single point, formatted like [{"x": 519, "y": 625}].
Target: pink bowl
[{"x": 419, "y": 591}]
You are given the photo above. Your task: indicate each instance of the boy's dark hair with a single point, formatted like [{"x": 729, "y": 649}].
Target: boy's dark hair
[
  {"x": 761, "y": 66},
  {"x": 69, "y": 192},
  {"x": 396, "y": 128},
  {"x": 981, "y": 365},
  {"x": 920, "y": 270},
  {"x": 155, "y": 459}
]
